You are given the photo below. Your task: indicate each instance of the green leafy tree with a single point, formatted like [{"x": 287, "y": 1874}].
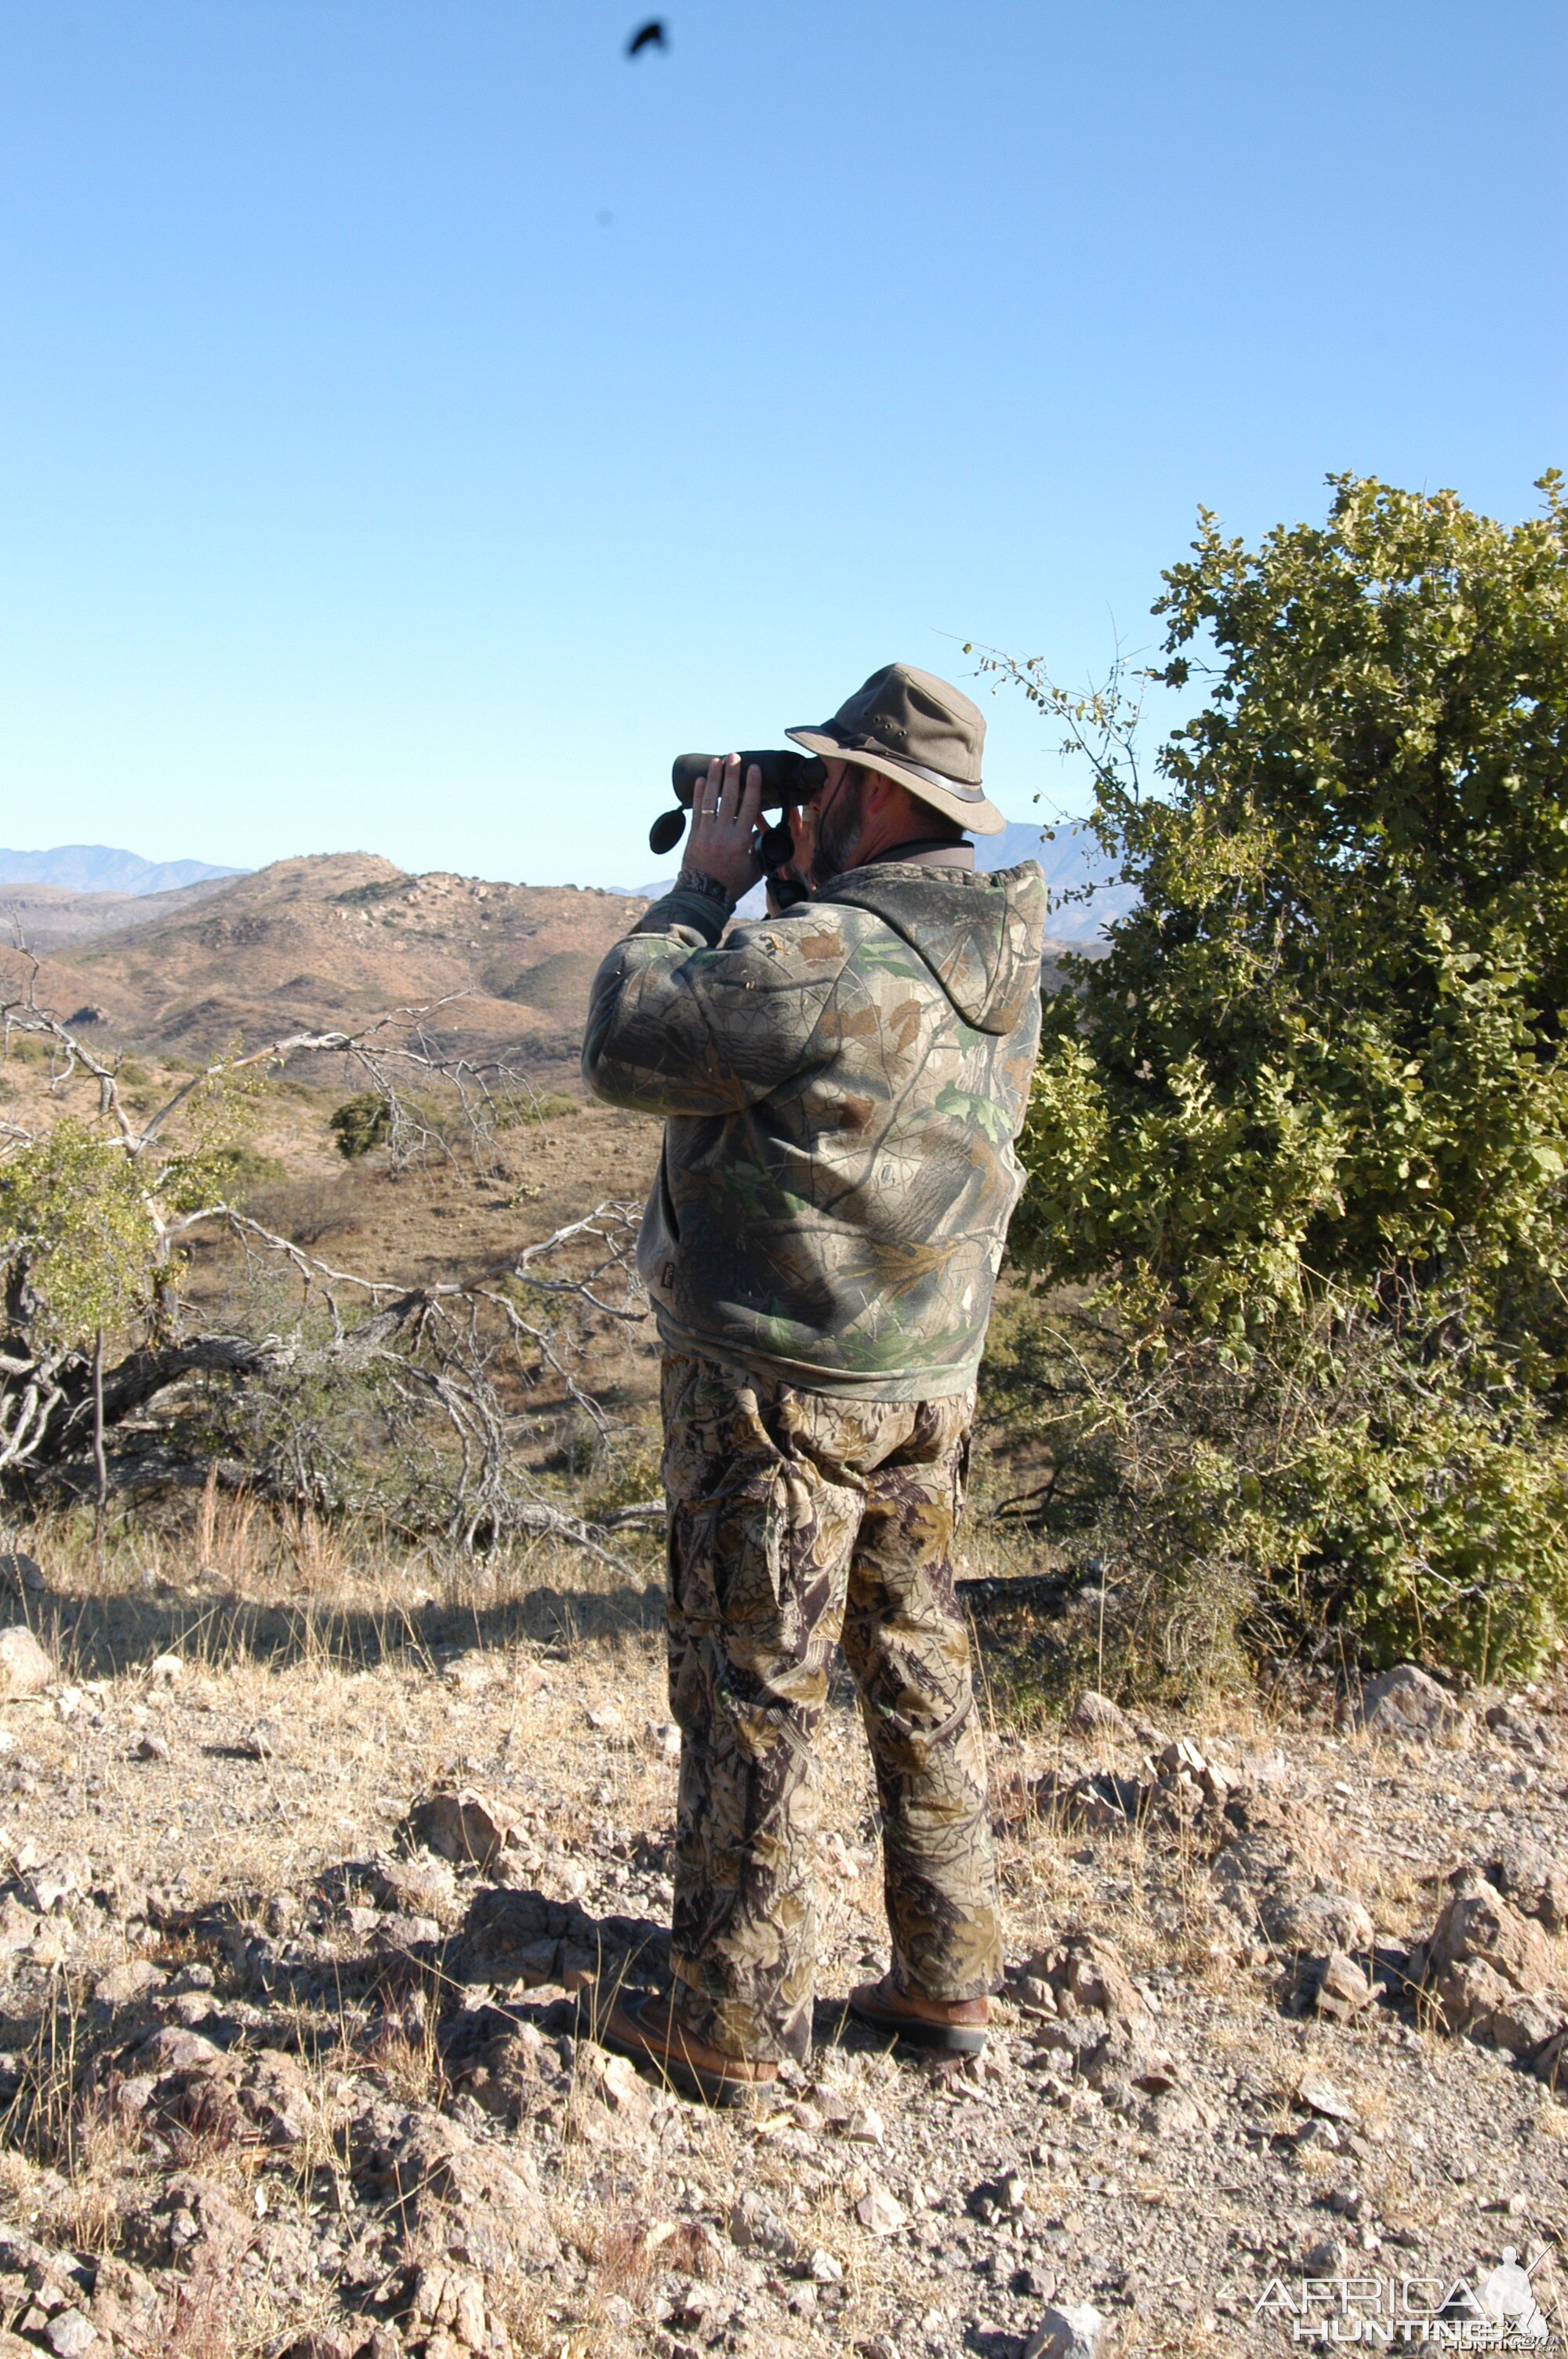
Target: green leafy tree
[
  {"x": 77, "y": 1232},
  {"x": 1305, "y": 1128}
]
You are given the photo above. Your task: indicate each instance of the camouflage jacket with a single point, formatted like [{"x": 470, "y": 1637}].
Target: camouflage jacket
[{"x": 843, "y": 1086}]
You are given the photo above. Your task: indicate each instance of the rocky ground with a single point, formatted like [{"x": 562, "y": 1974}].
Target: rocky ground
[{"x": 297, "y": 1933}]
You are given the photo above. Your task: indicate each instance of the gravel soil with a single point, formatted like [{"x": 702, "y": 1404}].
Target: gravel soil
[{"x": 300, "y": 1938}]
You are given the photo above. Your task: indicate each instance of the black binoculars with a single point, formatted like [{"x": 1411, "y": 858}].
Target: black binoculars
[{"x": 786, "y": 778}]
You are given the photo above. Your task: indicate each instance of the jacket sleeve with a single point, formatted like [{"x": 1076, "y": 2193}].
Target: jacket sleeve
[{"x": 681, "y": 1025}]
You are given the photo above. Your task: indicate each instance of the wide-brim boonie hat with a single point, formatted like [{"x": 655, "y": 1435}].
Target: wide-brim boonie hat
[{"x": 921, "y": 733}]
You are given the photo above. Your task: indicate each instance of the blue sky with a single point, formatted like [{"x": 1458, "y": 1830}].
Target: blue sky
[{"x": 419, "y": 422}]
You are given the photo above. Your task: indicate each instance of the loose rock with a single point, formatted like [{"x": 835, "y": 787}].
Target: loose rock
[
  {"x": 1339, "y": 1988},
  {"x": 70, "y": 2335},
  {"x": 1319, "y": 2095},
  {"x": 1096, "y": 1715},
  {"x": 123, "y": 1985},
  {"x": 878, "y": 2212},
  {"x": 1075, "y": 2331},
  {"x": 1486, "y": 1967},
  {"x": 24, "y": 1669},
  {"x": 460, "y": 1823},
  {"x": 22, "y": 1575},
  {"x": 1406, "y": 1701}
]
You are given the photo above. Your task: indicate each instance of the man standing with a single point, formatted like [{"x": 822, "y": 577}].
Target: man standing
[{"x": 842, "y": 1085}]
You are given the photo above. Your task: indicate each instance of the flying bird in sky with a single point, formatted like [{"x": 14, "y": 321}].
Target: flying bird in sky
[{"x": 650, "y": 36}]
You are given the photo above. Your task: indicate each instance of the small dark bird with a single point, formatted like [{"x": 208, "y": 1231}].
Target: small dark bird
[{"x": 650, "y": 36}]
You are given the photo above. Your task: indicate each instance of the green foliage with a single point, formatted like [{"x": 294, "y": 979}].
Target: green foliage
[
  {"x": 238, "y": 1171},
  {"x": 1336, "y": 1492},
  {"x": 538, "y": 1105},
  {"x": 73, "y": 1213},
  {"x": 1329, "y": 1039},
  {"x": 1317, "y": 1089},
  {"x": 360, "y": 1124}
]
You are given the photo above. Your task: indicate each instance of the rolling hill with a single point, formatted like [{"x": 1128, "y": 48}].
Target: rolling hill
[{"x": 332, "y": 940}]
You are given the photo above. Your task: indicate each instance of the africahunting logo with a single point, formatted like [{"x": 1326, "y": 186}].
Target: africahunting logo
[{"x": 1494, "y": 2310}]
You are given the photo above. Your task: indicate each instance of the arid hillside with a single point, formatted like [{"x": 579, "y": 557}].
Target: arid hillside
[
  {"x": 56, "y": 917},
  {"x": 329, "y": 942}
]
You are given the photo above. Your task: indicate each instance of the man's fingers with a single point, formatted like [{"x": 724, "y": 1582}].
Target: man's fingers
[
  {"x": 751, "y": 799},
  {"x": 730, "y": 794}
]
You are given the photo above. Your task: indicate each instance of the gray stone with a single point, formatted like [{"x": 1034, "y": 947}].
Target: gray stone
[
  {"x": 21, "y": 1575},
  {"x": 1340, "y": 1989},
  {"x": 24, "y": 1669},
  {"x": 123, "y": 1985},
  {"x": 1071, "y": 2330},
  {"x": 1534, "y": 1880},
  {"x": 1096, "y": 1715},
  {"x": 1406, "y": 1701},
  {"x": 460, "y": 1823},
  {"x": 69, "y": 2336},
  {"x": 18, "y": 1926},
  {"x": 1319, "y": 2095},
  {"x": 878, "y": 2212}
]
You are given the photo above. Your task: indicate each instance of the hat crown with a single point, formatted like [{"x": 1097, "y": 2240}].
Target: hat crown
[{"x": 913, "y": 714}]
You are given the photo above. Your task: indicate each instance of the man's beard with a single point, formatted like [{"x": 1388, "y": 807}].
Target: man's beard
[{"x": 838, "y": 819}]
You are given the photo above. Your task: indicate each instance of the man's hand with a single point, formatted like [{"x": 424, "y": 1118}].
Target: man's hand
[{"x": 724, "y": 826}]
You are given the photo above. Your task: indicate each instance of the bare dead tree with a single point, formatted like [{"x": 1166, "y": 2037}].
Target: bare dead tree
[{"x": 458, "y": 1358}]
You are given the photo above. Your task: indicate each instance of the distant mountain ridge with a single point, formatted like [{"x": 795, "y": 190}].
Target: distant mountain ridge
[
  {"x": 99, "y": 868},
  {"x": 1071, "y": 862}
]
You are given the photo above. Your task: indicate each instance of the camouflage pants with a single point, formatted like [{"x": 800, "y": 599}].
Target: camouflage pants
[{"x": 797, "y": 1521}]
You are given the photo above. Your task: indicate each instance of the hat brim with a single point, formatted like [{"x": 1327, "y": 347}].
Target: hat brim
[{"x": 981, "y": 817}]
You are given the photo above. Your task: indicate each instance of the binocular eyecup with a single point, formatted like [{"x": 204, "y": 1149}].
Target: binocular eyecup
[{"x": 786, "y": 778}]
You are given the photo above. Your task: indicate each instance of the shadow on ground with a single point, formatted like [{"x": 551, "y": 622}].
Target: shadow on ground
[{"x": 100, "y": 1636}]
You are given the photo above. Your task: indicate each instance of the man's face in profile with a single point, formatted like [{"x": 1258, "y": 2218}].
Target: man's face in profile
[{"x": 826, "y": 830}]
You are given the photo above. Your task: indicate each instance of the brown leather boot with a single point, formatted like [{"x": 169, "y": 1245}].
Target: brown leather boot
[
  {"x": 646, "y": 2030},
  {"x": 955, "y": 2027}
]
